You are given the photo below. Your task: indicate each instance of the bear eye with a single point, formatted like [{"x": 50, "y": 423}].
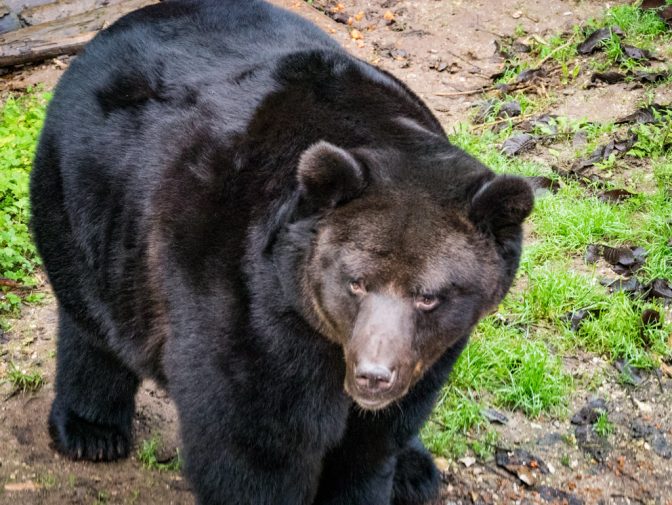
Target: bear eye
[
  {"x": 426, "y": 302},
  {"x": 357, "y": 287}
]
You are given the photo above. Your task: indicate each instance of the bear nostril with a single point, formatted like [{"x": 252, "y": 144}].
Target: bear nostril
[{"x": 373, "y": 378}]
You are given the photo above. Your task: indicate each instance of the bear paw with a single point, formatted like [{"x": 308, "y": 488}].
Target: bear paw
[
  {"x": 416, "y": 479},
  {"x": 79, "y": 439}
]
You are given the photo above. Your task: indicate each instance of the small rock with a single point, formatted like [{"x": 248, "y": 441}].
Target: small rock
[
  {"x": 643, "y": 406},
  {"x": 522, "y": 464},
  {"x": 467, "y": 461},
  {"x": 660, "y": 446},
  {"x": 495, "y": 416}
]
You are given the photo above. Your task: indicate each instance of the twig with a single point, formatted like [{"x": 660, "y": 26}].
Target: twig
[
  {"x": 12, "y": 284},
  {"x": 516, "y": 121},
  {"x": 469, "y": 92}
]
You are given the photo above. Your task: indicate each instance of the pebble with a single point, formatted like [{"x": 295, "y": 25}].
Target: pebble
[{"x": 644, "y": 407}]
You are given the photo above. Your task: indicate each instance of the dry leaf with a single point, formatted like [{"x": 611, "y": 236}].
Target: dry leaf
[{"x": 666, "y": 369}]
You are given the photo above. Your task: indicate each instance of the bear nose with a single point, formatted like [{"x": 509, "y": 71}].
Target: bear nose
[{"x": 372, "y": 378}]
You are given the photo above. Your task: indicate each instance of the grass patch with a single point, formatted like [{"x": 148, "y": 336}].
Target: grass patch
[
  {"x": 20, "y": 121},
  {"x": 603, "y": 427},
  {"x": 24, "y": 381},
  {"x": 148, "y": 456},
  {"x": 514, "y": 360}
]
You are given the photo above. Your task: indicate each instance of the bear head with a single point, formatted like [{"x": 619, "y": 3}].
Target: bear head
[{"x": 398, "y": 251}]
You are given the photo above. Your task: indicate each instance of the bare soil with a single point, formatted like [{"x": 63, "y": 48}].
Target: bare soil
[{"x": 442, "y": 49}]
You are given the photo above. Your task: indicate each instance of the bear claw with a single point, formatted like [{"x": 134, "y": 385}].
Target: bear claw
[{"x": 79, "y": 439}]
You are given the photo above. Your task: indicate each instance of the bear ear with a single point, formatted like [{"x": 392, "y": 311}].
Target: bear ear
[
  {"x": 327, "y": 176},
  {"x": 501, "y": 205}
]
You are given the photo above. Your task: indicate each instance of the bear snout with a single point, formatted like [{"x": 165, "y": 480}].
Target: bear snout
[{"x": 374, "y": 379}]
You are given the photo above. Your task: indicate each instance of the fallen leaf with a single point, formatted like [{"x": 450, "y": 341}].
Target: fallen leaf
[
  {"x": 510, "y": 109},
  {"x": 649, "y": 114},
  {"x": 635, "y": 53},
  {"x": 616, "y": 146},
  {"x": 576, "y": 318},
  {"x": 520, "y": 47},
  {"x": 608, "y": 77},
  {"x": 651, "y": 77},
  {"x": 530, "y": 74},
  {"x": 615, "y": 195},
  {"x": 659, "y": 288},
  {"x": 594, "y": 41},
  {"x": 518, "y": 143},
  {"x": 624, "y": 260},
  {"x": 630, "y": 286}
]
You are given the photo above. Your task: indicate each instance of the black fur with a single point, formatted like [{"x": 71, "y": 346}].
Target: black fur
[{"x": 177, "y": 228}]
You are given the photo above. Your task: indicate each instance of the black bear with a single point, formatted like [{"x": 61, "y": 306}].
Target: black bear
[{"x": 279, "y": 234}]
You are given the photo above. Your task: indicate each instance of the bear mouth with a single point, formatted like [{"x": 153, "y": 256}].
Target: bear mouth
[{"x": 372, "y": 404}]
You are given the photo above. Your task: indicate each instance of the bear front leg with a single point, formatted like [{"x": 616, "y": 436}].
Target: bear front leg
[
  {"x": 93, "y": 410},
  {"x": 244, "y": 442},
  {"x": 360, "y": 470},
  {"x": 416, "y": 479}
]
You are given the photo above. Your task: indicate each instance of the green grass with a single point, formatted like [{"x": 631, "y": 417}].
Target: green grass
[
  {"x": 514, "y": 360},
  {"x": 20, "y": 121},
  {"x": 603, "y": 427},
  {"x": 148, "y": 454},
  {"x": 641, "y": 28},
  {"x": 24, "y": 381}
]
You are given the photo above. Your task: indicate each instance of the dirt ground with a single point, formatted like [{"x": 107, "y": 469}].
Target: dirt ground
[{"x": 442, "y": 49}]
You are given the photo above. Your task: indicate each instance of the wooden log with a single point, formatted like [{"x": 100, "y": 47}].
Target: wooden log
[
  {"x": 63, "y": 36},
  {"x": 61, "y": 9}
]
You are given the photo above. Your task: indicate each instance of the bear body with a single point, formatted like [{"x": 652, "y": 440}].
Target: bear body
[{"x": 277, "y": 233}]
